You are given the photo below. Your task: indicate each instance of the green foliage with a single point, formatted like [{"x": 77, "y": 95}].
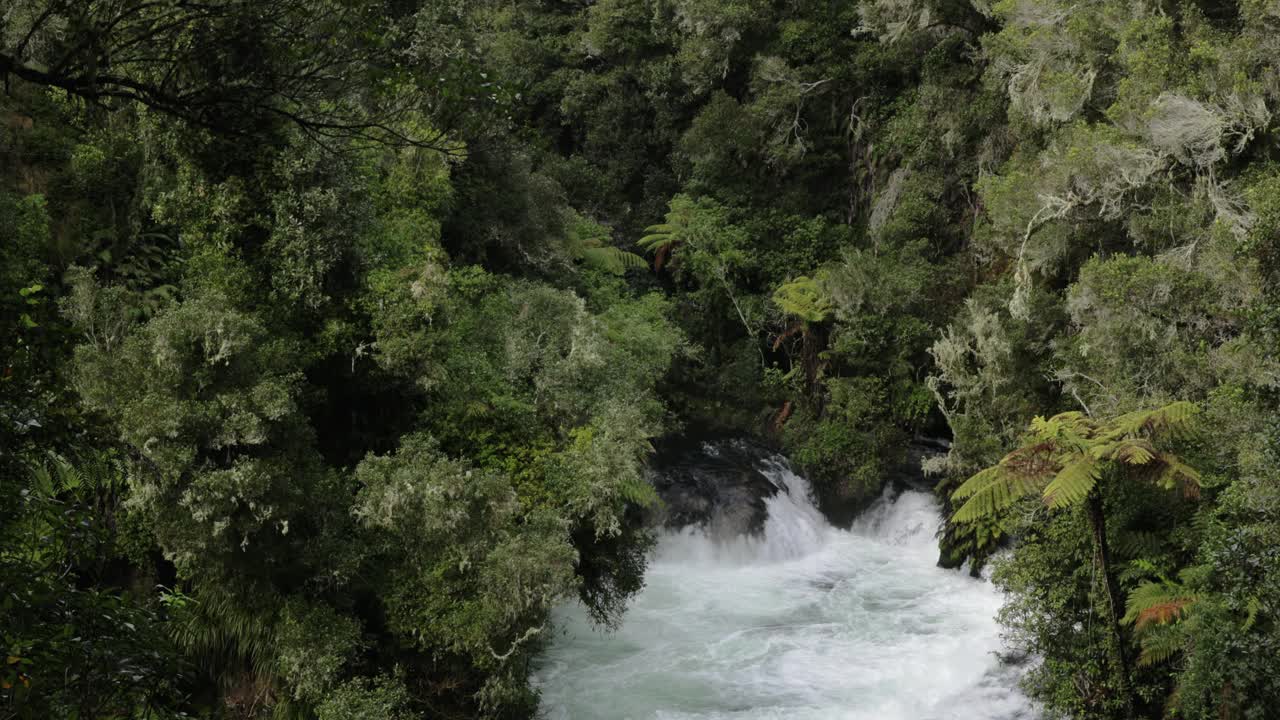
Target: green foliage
[
  {"x": 75, "y": 641},
  {"x": 1161, "y": 612},
  {"x": 1066, "y": 456},
  {"x": 350, "y": 311},
  {"x": 849, "y": 445},
  {"x": 588, "y": 242},
  {"x": 468, "y": 569},
  {"x": 363, "y": 699},
  {"x": 312, "y": 644},
  {"x": 803, "y": 298}
]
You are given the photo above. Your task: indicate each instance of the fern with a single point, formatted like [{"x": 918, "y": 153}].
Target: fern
[
  {"x": 588, "y": 242},
  {"x": 1138, "y": 544},
  {"x": 1073, "y": 483},
  {"x": 1069, "y": 453},
  {"x": 664, "y": 238},
  {"x": 220, "y": 632},
  {"x": 1174, "y": 474},
  {"x": 990, "y": 491},
  {"x": 1161, "y": 644},
  {"x": 639, "y": 492},
  {"x": 658, "y": 236},
  {"x": 1172, "y": 420},
  {"x": 805, "y": 299},
  {"x": 615, "y": 261},
  {"x": 1160, "y": 612}
]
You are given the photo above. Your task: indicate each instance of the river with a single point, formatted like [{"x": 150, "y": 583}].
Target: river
[{"x": 805, "y": 622}]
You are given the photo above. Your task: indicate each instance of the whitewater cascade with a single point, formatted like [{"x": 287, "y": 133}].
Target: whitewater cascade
[{"x": 808, "y": 622}]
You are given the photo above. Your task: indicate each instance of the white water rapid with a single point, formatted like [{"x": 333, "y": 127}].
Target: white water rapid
[{"x": 807, "y": 623}]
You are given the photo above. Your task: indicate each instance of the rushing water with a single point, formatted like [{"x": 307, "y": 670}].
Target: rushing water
[{"x": 807, "y": 622}]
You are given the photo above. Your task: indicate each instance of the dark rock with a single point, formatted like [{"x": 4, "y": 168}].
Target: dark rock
[
  {"x": 909, "y": 473},
  {"x": 713, "y": 483}
]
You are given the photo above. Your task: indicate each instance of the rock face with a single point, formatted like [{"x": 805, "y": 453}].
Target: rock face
[
  {"x": 909, "y": 473},
  {"x": 713, "y": 484}
]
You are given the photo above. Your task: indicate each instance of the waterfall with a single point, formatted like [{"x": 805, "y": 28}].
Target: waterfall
[{"x": 804, "y": 621}]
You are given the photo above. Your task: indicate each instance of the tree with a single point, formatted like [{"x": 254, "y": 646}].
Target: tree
[
  {"x": 79, "y": 639},
  {"x": 335, "y": 70},
  {"x": 806, "y": 300},
  {"x": 1068, "y": 461}
]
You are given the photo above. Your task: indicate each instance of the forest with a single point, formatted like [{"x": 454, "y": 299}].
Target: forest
[{"x": 336, "y": 335}]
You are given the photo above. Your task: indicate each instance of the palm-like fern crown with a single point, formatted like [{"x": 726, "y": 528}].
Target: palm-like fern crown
[
  {"x": 1068, "y": 453},
  {"x": 662, "y": 239},
  {"x": 589, "y": 242},
  {"x": 804, "y": 298}
]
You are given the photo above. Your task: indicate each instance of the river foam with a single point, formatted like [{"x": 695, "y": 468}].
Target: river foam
[{"x": 808, "y": 622}]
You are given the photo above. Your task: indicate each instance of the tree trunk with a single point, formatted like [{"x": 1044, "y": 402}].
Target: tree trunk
[{"x": 1097, "y": 523}]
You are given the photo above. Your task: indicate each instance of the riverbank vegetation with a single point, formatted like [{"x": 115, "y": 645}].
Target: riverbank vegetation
[{"x": 334, "y": 335}]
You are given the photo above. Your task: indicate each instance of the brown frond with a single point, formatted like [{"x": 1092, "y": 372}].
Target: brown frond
[
  {"x": 781, "y": 418},
  {"x": 1163, "y": 613},
  {"x": 798, "y": 327},
  {"x": 660, "y": 258}
]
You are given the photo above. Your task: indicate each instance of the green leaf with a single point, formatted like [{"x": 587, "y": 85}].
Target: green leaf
[
  {"x": 1073, "y": 482},
  {"x": 992, "y": 490}
]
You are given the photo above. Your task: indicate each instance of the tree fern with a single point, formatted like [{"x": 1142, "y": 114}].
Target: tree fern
[
  {"x": 1161, "y": 613},
  {"x": 804, "y": 298},
  {"x": 663, "y": 238},
  {"x": 1068, "y": 454},
  {"x": 615, "y": 261},
  {"x": 219, "y": 632},
  {"x": 1173, "y": 421},
  {"x": 1139, "y": 543},
  {"x": 588, "y": 242},
  {"x": 659, "y": 236},
  {"x": 1161, "y": 644},
  {"x": 1174, "y": 474},
  {"x": 1066, "y": 458}
]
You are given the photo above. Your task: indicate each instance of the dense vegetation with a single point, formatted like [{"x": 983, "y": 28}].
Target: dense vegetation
[{"x": 334, "y": 334}]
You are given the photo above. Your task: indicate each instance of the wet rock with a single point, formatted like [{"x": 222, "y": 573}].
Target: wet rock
[
  {"x": 712, "y": 483},
  {"x": 909, "y": 473}
]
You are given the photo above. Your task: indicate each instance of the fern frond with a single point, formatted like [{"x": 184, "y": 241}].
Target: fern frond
[
  {"x": 661, "y": 229},
  {"x": 1173, "y": 418},
  {"x": 1128, "y": 451},
  {"x": 1161, "y": 643},
  {"x": 1252, "y": 608},
  {"x": 40, "y": 479},
  {"x": 1160, "y": 603},
  {"x": 993, "y": 492},
  {"x": 217, "y": 630},
  {"x": 1073, "y": 483},
  {"x": 1170, "y": 420},
  {"x": 612, "y": 260},
  {"x": 1162, "y": 613},
  {"x": 1175, "y": 474},
  {"x": 1071, "y": 421},
  {"x": 653, "y": 243},
  {"x": 639, "y": 492},
  {"x": 976, "y": 483},
  {"x": 1138, "y": 544},
  {"x": 804, "y": 298}
]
